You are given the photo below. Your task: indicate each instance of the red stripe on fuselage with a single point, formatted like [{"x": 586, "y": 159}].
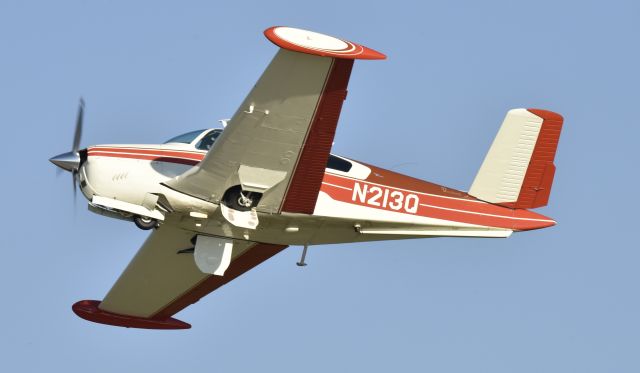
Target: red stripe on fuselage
[
  {"x": 155, "y": 151},
  {"x": 158, "y": 155}
]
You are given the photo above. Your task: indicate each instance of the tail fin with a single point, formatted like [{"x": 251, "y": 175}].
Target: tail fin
[{"x": 518, "y": 169}]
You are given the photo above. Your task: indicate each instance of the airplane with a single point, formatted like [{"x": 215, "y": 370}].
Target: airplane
[{"x": 221, "y": 201}]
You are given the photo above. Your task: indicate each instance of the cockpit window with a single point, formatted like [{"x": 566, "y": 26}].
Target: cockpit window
[
  {"x": 208, "y": 140},
  {"x": 338, "y": 163},
  {"x": 185, "y": 138}
]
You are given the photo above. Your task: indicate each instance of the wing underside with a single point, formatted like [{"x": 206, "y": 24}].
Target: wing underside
[{"x": 162, "y": 279}]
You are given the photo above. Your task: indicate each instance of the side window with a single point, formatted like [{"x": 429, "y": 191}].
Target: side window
[
  {"x": 338, "y": 164},
  {"x": 208, "y": 140}
]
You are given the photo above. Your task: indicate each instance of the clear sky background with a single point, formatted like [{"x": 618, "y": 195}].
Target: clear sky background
[{"x": 563, "y": 299}]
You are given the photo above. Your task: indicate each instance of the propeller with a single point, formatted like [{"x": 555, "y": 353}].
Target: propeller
[{"x": 70, "y": 161}]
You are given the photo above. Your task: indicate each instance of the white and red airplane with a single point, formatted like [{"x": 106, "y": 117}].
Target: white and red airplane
[{"x": 222, "y": 201}]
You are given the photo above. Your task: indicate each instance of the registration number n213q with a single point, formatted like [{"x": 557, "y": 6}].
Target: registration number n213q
[{"x": 382, "y": 197}]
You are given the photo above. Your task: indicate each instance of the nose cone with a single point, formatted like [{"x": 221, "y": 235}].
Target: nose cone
[{"x": 67, "y": 161}]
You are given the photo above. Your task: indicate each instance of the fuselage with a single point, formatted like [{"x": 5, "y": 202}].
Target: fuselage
[{"x": 356, "y": 202}]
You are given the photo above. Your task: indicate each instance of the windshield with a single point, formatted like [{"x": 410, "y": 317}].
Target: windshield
[{"x": 185, "y": 138}]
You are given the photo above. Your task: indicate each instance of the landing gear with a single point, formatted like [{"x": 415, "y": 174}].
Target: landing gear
[
  {"x": 237, "y": 199},
  {"x": 145, "y": 223},
  {"x": 302, "y": 263},
  {"x": 245, "y": 200}
]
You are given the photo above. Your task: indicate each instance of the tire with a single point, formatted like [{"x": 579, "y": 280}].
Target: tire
[
  {"x": 232, "y": 198},
  {"x": 144, "y": 222}
]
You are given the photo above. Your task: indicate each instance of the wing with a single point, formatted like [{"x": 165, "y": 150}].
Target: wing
[
  {"x": 276, "y": 144},
  {"x": 160, "y": 281},
  {"x": 278, "y": 141}
]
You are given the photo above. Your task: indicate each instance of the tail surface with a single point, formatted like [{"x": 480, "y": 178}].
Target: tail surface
[{"x": 518, "y": 169}]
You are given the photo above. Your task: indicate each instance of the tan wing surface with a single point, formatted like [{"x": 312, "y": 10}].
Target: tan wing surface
[
  {"x": 160, "y": 281},
  {"x": 287, "y": 122}
]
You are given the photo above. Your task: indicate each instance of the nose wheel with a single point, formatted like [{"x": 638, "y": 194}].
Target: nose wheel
[{"x": 145, "y": 223}]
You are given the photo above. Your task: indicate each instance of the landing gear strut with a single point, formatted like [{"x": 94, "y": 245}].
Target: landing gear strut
[
  {"x": 244, "y": 201},
  {"x": 301, "y": 263}
]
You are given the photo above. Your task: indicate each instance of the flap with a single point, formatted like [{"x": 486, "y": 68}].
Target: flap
[{"x": 213, "y": 254}]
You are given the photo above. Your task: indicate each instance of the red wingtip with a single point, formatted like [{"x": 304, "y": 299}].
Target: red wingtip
[
  {"x": 310, "y": 42},
  {"x": 88, "y": 310}
]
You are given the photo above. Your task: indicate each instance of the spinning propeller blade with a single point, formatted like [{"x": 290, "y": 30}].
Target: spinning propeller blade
[
  {"x": 78, "y": 132},
  {"x": 70, "y": 161}
]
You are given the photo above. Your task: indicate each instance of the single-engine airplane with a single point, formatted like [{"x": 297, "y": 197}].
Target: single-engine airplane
[{"x": 221, "y": 201}]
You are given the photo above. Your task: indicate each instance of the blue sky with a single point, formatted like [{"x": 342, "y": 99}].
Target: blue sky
[{"x": 556, "y": 300}]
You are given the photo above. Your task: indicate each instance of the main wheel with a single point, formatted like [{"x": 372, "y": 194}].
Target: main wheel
[
  {"x": 144, "y": 223},
  {"x": 237, "y": 199}
]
